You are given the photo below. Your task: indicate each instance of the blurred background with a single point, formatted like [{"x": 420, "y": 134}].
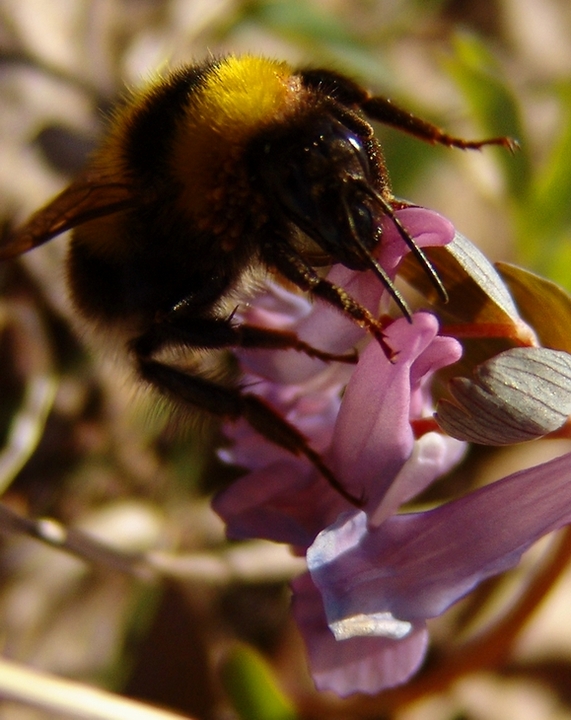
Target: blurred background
[{"x": 152, "y": 602}]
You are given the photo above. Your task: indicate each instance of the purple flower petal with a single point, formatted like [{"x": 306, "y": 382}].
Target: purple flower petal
[
  {"x": 286, "y": 502},
  {"x": 360, "y": 664},
  {"x": 427, "y": 228},
  {"x": 312, "y": 407},
  {"x": 415, "y": 566},
  {"x": 373, "y": 437}
]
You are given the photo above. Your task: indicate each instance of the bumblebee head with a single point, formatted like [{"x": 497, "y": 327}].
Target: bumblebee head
[{"x": 323, "y": 173}]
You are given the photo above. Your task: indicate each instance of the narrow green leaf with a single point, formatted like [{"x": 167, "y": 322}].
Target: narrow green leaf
[
  {"x": 326, "y": 35},
  {"x": 492, "y": 104},
  {"x": 252, "y": 687},
  {"x": 303, "y": 19},
  {"x": 544, "y": 220},
  {"x": 554, "y": 185}
]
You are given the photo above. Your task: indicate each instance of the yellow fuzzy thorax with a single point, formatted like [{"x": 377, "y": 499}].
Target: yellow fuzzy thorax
[
  {"x": 235, "y": 100},
  {"x": 242, "y": 93}
]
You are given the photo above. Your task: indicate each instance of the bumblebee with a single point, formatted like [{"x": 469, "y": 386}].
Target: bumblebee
[{"x": 214, "y": 173}]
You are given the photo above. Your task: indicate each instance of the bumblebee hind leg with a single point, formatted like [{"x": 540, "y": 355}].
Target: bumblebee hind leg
[
  {"x": 230, "y": 403},
  {"x": 233, "y": 403}
]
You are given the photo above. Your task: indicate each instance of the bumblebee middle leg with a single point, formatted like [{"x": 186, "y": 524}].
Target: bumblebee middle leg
[{"x": 179, "y": 329}]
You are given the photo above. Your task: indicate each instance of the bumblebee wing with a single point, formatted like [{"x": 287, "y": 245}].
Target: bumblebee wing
[{"x": 91, "y": 195}]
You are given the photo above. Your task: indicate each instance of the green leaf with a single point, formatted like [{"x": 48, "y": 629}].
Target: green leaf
[
  {"x": 544, "y": 219},
  {"x": 492, "y": 104},
  {"x": 408, "y": 159},
  {"x": 553, "y": 186},
  {"x": 301, "y": 19},
  {"x": 557, "y": 260},
  {"x": 252, "y": 687}
]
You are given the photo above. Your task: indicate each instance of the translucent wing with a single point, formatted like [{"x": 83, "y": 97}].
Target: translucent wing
[{"x": 91, "y": 195}]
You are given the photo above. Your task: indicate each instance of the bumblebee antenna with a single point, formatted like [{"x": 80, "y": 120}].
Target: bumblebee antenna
[
  {"x": 374, "y": 265},
  {"x": 409, "y": 240}
]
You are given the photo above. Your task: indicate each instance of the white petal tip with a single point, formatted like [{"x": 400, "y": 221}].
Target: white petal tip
[{"x": 374, "y": 625}]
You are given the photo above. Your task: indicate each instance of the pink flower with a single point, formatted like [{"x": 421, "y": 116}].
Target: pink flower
[
  {"x": 375, "y": 576},
  {"x": 366, "y": 437}
]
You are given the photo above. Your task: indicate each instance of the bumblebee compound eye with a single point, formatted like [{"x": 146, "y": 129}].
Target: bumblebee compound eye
[{"x": 313, "y": 177}]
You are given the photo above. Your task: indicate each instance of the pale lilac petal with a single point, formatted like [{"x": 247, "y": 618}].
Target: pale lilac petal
[
  {"x": 433, "y": 456},
  {"x": 416, "y": 565},
  {"x": 248, "y": 449},
  {"x": 275, "y": 308},
  {"x": 362, "y": 664},
  {"x": 293, "y": 366},
  {"x": 279, "y": 309},
  {"x": 441, "y": 352},
  {"x": 282, "y": 366},
  {"x": 283, "y": 498},
  {"x": 426, "y": 227},
  {"x": 373, "y": 437},
  {"x": 252, "y": 504}
]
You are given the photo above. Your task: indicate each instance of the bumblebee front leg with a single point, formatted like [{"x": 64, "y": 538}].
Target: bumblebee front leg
[
  {"x": 295, "y": 268},
  {"x": 385, "y": 111},
  {"x": 233, "y": 403}
]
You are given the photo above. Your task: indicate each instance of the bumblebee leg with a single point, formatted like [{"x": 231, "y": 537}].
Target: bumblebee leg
[
  {"x": 348, "y": 92},
  {"x": 253, "y": 336},
  {"x": 296, "y": 269},
  {"x": 384, "y": 111},
  {"x": 178, "y": 329},
  {"x": 233, "y": 403}
]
